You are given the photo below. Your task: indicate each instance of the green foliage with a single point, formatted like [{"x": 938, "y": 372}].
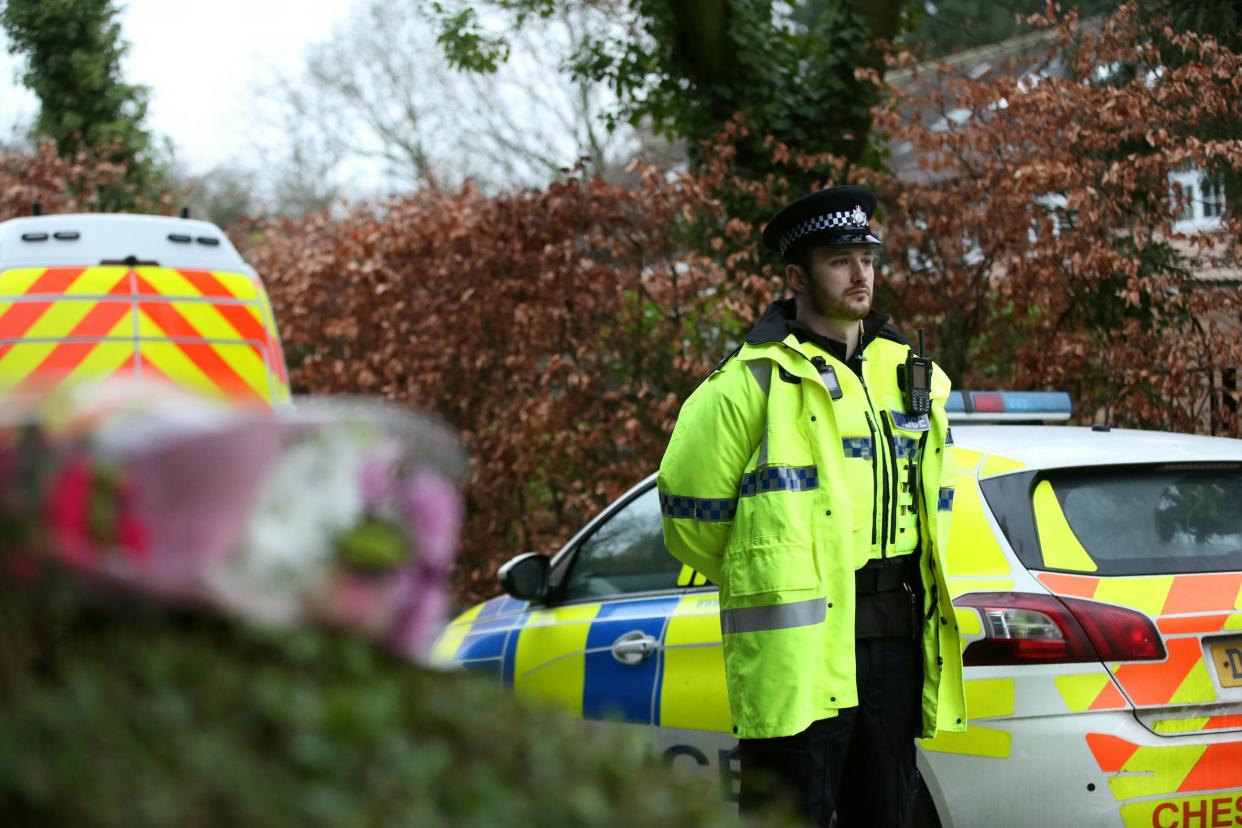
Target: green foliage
[
  {"x": 1222, "y": 19},
  {"x": 466, "y": 44},
  {"x": 792, "y": 81},
  {"x": 115, "y": 713},
  {"x": 687, "y": 68},
  {"x": 957, "y": 25},
  {"x": 73, "y": 51}
]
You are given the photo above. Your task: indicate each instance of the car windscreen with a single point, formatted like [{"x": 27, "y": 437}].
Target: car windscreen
[{"x": 1128, "y": 520}]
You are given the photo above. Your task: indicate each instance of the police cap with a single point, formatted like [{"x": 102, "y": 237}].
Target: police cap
[{"x": 837, "y": 215}]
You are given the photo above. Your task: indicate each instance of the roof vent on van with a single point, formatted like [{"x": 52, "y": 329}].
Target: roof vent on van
[{"x": 131, "y": 261}]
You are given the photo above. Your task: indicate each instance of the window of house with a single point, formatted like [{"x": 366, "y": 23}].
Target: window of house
[
  {"x": 1213, "y": 197},
  {"x": 1200, "y": 200}
]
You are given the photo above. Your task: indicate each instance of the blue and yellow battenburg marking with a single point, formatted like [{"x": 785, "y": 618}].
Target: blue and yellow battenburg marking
[
  {"x": 488, "y": 644},
  {"x": 766, "y": 479},
  {"x": 858, "y": 447},
  {"x": 906, "y": 446},
  {"x": 712, "y": 510},
  {"x": 563, "y": 656},
  {"x": 779, "y": 478}
]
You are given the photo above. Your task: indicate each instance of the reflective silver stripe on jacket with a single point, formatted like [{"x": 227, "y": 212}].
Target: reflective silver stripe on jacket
[
  {"x": 776, "y": 617},
  {"x": 761, "y": 370}
]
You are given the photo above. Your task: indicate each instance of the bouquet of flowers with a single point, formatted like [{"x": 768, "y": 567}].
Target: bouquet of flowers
[{"x": 337, "y": 510}]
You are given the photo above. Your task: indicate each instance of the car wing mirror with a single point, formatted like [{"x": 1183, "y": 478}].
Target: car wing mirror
[{"x": 526, "y": 576}]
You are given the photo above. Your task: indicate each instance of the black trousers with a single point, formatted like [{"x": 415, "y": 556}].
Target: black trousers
[{"x": 859, "y": 763}]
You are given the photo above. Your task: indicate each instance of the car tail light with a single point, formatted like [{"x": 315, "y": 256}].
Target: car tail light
[{"x": 1026, "y": 628}]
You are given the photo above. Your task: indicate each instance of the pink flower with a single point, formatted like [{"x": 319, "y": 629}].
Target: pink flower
[
  {"x": 422, "y": 615},
  {"x": 67, "y": 513},
  {"x": 376, "y": 479},
  {"x": 432, "y": 508},
  {"x": 131, "y": 536},
  {"x": 364, "y": 603}
]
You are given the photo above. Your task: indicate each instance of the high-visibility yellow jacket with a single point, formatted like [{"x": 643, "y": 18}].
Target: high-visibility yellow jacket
[{"x": 777, "y": 492}]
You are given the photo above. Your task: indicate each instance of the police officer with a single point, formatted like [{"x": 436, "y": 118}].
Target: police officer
[{"x": 810, "y": 478}]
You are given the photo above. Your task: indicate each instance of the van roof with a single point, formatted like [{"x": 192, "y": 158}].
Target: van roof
[{"x": 84, "y": 239}]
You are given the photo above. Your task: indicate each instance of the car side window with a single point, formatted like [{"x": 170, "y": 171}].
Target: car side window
[{"x": 625, "y": 554}]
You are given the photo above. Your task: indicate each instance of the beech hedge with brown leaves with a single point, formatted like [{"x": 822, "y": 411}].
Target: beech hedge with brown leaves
[{"x": 557, "y": 330}]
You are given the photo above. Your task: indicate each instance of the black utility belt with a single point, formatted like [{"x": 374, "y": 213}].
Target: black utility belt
[
  {"x": 889, "y": 597},
  {"x": 886, "y": 574}
]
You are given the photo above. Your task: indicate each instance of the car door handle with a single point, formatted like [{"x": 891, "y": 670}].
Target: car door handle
[{"x": 633, "y": 648}]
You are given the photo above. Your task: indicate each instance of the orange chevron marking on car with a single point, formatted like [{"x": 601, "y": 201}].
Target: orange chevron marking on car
[
  {"x": 1078, "y": 586},
  {"x": 1188, "y": 624},
  {"x": 1111, "y": 752},
  {"x": 1183, "y": 677},
  {"x": 1110, "y": 698},
  {"x": 1162, "y": 595},
  {"x": 1223, "y": 722},
  {"x": 1220, "y": 767},
  {"x": 1152, "y": 683},
  {"x": 1194, "y": 593},
  {"x": 1173, "y": 768}
]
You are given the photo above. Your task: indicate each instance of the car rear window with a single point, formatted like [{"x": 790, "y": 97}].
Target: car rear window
[{"x": 1126, "y": 520}]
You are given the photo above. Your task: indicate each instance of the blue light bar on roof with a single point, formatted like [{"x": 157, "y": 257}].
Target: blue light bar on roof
[{"x": 1009, "y": 406}]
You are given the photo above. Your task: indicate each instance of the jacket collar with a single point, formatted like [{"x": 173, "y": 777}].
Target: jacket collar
[{"x": 778, "y": 323}]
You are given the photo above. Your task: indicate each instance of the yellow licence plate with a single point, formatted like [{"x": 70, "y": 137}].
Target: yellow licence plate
[{"x": 1227, "y": 655}]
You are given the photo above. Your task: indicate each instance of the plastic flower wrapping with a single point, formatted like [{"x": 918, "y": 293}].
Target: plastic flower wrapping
[{"x": 337, "y": 511}]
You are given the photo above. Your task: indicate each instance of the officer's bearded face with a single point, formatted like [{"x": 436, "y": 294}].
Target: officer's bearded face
[{"x": 840, "y": 283}]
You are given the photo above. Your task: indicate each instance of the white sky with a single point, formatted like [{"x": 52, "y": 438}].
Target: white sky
[{"x": 203, "y": 61}]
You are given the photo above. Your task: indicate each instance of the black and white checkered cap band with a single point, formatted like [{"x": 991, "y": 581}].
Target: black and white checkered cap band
[{"x": 847, "y": 219}]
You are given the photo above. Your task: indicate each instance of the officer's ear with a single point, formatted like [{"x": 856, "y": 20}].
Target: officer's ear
[{"x": 795, "y": 277}]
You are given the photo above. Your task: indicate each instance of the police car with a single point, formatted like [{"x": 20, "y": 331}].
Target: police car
[{"x": 1097, "y": 582}]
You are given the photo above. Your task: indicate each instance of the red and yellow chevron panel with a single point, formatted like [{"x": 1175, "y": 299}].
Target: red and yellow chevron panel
[
  {"x": 1196, "y": 723},
  {"x": 1185, "y": 608},
  {"x": 1175, "y": 768},
  {"x": 1155, "y": 595},
  {"x": 209, "y": 331}
]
